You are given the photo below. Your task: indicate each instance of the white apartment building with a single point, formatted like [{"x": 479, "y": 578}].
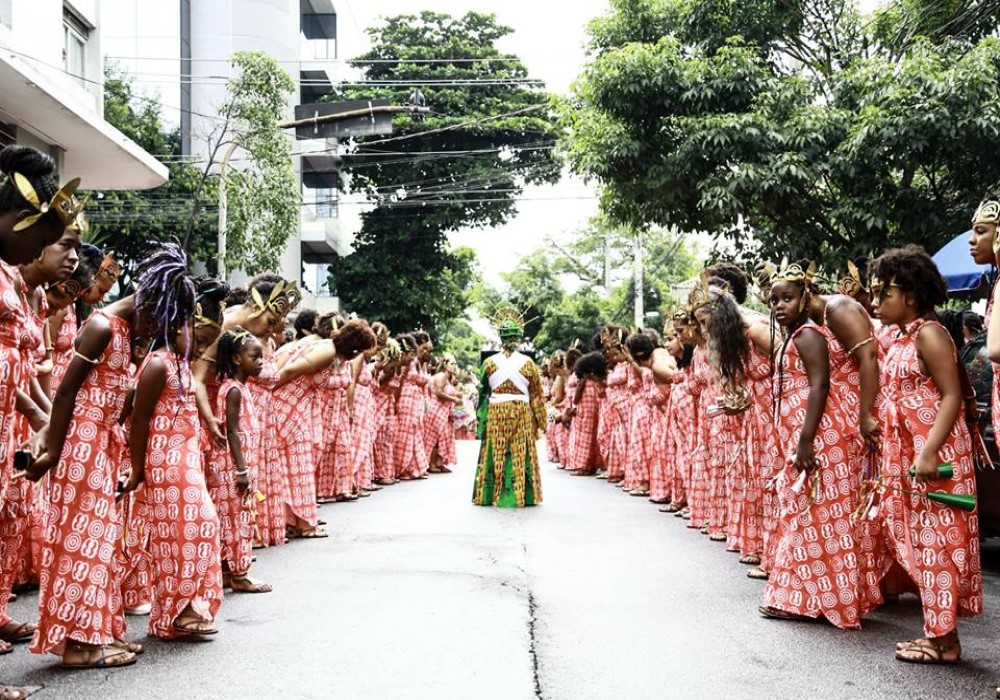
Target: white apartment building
[
  {"x": 302, "y": 36},
  {"x": 51, "y": 94}
]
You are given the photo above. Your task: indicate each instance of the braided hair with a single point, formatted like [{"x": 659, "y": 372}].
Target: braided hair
[
  {"x": 165, "y": 299},
  {"x": 211, "y": 295},
  {"x": 230, "y": 345},
  {"x": 305, "y": 323},
  {"x": 37, "y": 167}
]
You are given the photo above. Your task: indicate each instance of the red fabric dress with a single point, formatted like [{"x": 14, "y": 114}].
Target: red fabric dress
[
  {"x": 411, "y": 455},
  {"x": 701, "y": 387},
  {"x": 79, "y": 579},
  {"x": 269, "y": 475},
  {"x": 681, "y": 431},
  {"x": 658, "y": 396},
  {"x": 236, "y": 509},
  {"x": 439, "y": 431},
  {"x": 816, "y": 569},
  {"x": 557, "y": 434},
  {"x": 640, "y": 429},
  {"x": 584, "y": 452},
  {"x": 759, "y": 437},
  {"x": 335, "y": 471},
  {"x": 133, "y": 512},
  {"x": 385, "y": 432},
  {"x": 62, "y": 349},
  {"x": 183, "y": 523},
  {"x": 365, "y": 425},
  {"x": 615, "y": 417},
  {"x": 29, "y": 495},
  {"x": 291, "y": 408},
  {"x": 937, "y": 545}
]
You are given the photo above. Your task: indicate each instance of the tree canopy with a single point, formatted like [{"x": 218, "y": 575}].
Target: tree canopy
[
  {"x": 801, "y": 128},
  {"x": 487, "y": 133}
]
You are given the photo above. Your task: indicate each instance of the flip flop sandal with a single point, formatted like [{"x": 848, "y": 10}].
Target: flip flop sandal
[
  {"x": 187, "y": 629},
  {"x": 131, "y": 647},
  {"x": 777, "y": 614},
  {"x": 20, "y": 634},
  {"x": 750, "y": 560},
  {"x": 718, "y": 537},
  {"x": 12, "y": 693},
  {"x": 931, "y": 654},
  {"x": 256, "y": 587},
  {"x": 314, "y": 534},
  {"x": 638, "y": 493},
  {"x": 105, "y": 660},
  {"x": 758, "y": 574}
]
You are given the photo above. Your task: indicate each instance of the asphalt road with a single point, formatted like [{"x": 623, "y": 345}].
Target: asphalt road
[{"x": 593, "y": 595}]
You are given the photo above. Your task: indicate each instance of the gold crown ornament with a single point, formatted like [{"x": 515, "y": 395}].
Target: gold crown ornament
[
  {"x": 64, "y": 203},
  {"x": 508, "y": 321},
  {"x": 612, "y": 338},
  {"x": 793, "y": 272},
  {"x": 201, "y": 321},
  {"x": 850, "y": 284},
  {"x": 879, "y": 289},
  {"x": 988, "y": 212},
  {"x": 276, "y": 303},
  {"x": 109, "y": 269}
]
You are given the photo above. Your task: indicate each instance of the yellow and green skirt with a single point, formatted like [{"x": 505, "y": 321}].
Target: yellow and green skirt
[{"x": 507, "y": 475}]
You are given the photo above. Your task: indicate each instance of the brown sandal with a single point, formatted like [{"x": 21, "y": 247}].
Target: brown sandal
[
  {"x": 17, "y": 632},
  {"x": 186, "y": 625},
  {"x": 929, "y": 653},
  {"x": 250, "y": 586},
  {"x": 778, "y": 614},
  {"x": 107, "y": 657},
  {"x": 758, "y": 574}
]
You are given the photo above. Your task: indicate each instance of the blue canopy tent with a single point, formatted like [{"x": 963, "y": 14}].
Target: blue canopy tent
[{"x": 963, "y": 275}]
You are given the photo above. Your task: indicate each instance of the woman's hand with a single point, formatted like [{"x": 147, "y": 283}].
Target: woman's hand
[
  {"x": 243, "y": 482},
  {"x": 871, "y": 431},
  {"x": 805, "y": 456},
  {"x": 926, "y": 466}
]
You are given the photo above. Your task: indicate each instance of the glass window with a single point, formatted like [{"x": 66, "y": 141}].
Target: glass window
[{"x": 75, "y": 35}]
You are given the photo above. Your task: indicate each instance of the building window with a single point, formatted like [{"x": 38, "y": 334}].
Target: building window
[
  {"x": 75, "y": 34},
  {"x": 327, "y": 203}
]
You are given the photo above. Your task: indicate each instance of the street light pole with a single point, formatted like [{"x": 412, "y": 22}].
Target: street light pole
[{"x": 639, "y": 315}]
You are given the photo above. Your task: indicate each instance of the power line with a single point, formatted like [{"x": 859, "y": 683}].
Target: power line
[{"x": 350, "y": 61}]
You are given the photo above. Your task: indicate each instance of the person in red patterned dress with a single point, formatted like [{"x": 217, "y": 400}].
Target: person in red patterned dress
[
  {"x": 937, "y": 544},
  {"x": 679, "y": 428},
  {"x": 228, "y": 475},
  {"x": 439, "y": 432},
  {"x": 387, "y": 377},
  {"x": 616, "y": 410},
  {"x": 166, "y": 453},
  {"x": 555, "y": 430},
  {"x": 591, "y": 371},
  {"x": 366, "y": 419},
  {"x": 816, "y": 568},
  {"x": 55, "y": 265},
  {"x": 646, "y": 438},
  {"x": 410, "y": 452}
]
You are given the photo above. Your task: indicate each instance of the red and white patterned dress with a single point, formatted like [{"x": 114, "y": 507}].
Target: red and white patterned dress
[
  {"x": 816, "y": 571},
  {"x": 410, "y": 452},
  {"x": 640, "y": 428},
  {"x": 365, "y": 425},
  {"x": 236, "y": 509},
  {"x": 584, "y": 451},
  {"x": 759, "y": 437},
  {"x": 292, "y": 409},
  {"x": 439, "y": 431},
  {"x": 681, "y": 429},
  {"x": 612, "y": 434},
  {"x": 335, "y": 471},
  {"x": 701, "y": 387},
  {"x": 658, "y": 396},
  {"x": 936, "y": 544},
  {"x": 385, "y": 432},
  {"x": 184, "y": 533},
  {"x": 62, "y": 349},
  {"x": 79, "y": 579},
  {"x": 269, "y": 474}
]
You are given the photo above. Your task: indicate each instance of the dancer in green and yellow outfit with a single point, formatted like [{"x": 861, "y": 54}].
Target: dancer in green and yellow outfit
[{"x": 511, "y": 414}]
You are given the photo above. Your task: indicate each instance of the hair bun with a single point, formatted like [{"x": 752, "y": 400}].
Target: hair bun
[{"x": 26, "y": 160}]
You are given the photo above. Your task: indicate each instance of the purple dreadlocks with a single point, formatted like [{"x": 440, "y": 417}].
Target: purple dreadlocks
[{"x": 165, "y": 297}]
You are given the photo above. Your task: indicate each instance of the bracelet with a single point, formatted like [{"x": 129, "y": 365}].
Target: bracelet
[
  {"x": 77, "y": 353},
  {"x": 245, "y": 472},
  {"x": 869, "y": 339}
]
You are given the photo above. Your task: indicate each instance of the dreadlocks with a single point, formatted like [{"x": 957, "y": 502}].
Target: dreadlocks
[{"x": 165, "y": 297}]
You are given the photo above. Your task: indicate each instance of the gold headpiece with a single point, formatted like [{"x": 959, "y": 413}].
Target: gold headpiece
[
  {"x": 794, "y": 273},
  {"x": 701, "y": 295},
  {"x": 290, "y": 299},
  {"x": 877, "y": 286},
  {"x": 391, "y": 351},
  {"x": 612, "y": 338},
  {"x": 110, "y": 268},
  {"x": 851, "y": 284},
  {"x": 66, "y": 206},
  {"x": 987, "y": 213},
  {"x": 575, "y": 345},
  {"x": 276, "y": 303},
  {"x": 201, "y": 321},
  {"x": 240, "y": 336},
  {"x": 508, "y": 321}
]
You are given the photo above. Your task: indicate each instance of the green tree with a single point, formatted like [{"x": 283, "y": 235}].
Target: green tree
[
  {"x": 815, "y": 138},
  {"x": 462, "y": 164},
  {"x": 262, "y": 195},
  {"x": 132, "y": 222}
]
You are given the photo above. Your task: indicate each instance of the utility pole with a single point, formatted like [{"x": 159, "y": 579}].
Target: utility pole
[
  {"x": 223, "y": 207},
  {"x": 637, "y": 274}
]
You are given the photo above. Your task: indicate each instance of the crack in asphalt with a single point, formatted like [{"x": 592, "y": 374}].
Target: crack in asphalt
[{"x": 532, "y": 644}]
